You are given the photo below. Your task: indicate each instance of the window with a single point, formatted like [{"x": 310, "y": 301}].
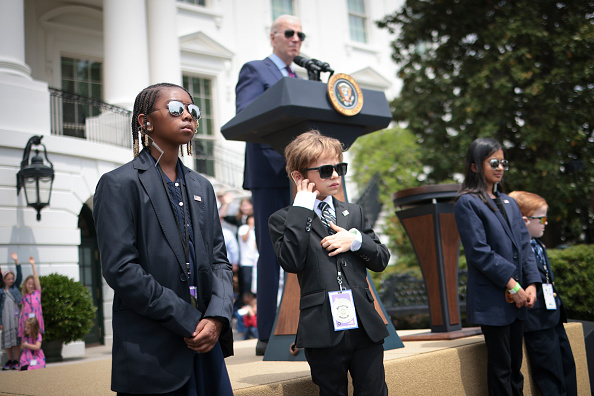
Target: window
[
  {"x": 357, "y": 20},
  {"x": 201, "y": 91},
  {"x": 281, "y": 7},
  {"x": 195, "y": 2},
  {"x": 81, "y": 77}
]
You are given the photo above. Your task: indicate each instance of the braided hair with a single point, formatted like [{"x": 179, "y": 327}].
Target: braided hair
[{"x": 144, "y": 104}]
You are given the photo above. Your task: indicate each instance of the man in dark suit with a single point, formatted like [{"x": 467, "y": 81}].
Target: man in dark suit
[
  {"x": 264, "y": 173},
  {"x": 330, "y": 245}
]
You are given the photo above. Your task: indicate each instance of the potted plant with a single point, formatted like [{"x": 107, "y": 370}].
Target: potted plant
[{"x": 68, "y": 313}]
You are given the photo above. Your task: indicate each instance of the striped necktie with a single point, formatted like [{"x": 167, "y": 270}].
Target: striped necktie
[{"x": 327, "y": 216}]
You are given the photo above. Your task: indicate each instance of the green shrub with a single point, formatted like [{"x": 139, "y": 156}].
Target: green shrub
[
  {"x": 574, "y": 279},
  {"x": 68, "y": 310}
]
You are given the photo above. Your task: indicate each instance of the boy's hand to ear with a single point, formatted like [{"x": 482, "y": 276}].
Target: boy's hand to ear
[{"x": 338, "y": 243}]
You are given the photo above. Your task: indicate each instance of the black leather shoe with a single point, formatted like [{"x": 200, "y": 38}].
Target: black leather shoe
[{"x": 261, "y": 348}]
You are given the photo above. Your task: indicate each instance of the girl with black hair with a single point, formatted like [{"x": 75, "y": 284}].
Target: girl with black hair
[
  {"x": 502, "y": 272},
  {"x": 163, "y": 253}
]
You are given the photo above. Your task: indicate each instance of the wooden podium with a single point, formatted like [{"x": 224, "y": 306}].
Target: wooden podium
[
  {"x": 427, "y": 214},
  {"x": 288, "y": 108}
]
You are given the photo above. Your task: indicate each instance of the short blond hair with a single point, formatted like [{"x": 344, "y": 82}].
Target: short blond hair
[
  {"x": 308, "y": 147},
  {"x": 528, "y": 202}
]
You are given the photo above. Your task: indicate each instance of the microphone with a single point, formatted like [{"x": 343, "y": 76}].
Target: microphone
[
  {"x": 324, "y": 66},
  {"x": 309, "y": 64}
]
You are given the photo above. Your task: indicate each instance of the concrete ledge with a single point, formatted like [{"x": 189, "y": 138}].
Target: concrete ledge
[{"x": 456, "y": 367}]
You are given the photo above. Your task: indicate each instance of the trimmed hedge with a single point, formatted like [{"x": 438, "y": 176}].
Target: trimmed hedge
[{"x": 574, "y": 279}]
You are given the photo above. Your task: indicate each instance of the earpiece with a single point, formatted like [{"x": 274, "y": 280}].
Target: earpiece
[{"x": 293, "y": 177}]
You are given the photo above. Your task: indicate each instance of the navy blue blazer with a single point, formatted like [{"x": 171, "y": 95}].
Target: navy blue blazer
[
  {"x": 539, "y": 317},
  {"x": 495, "y": 252},
  {"x": 143, "y": 261},
  {"x": 296, "y": 234},
  {"x": 264, "y": 167}
]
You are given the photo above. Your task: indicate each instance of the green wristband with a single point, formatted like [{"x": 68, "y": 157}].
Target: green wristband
[{"x": 516, "y": 288}]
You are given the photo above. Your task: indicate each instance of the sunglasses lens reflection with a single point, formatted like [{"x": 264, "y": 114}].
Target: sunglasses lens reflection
[
  {"x": 176, "y": 109},
  {"x": 290, "y": 33},
  {"x": 495, "y": 164},
  {"x": 326, "y": 171}
]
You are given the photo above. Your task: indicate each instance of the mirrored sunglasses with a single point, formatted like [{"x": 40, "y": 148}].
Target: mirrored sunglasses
[
  {"x": 326, "y": 171},
  {"x": 541, "y": 219},
  {"x": 176, "y": 109},
  {"x": 495, "y": 164},
  {"x": 290, "y": 33}
]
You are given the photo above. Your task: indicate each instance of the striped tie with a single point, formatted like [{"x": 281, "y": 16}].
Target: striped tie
[{"x": 327, "y": 216}]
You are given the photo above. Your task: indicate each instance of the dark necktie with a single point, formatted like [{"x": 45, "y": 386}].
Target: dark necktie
[
  {"x": 291, "y": 72},
  {"x": 327, "y": 216}
]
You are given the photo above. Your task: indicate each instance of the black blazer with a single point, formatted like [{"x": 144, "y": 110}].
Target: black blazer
[
  {"x": 539, "y": 317},
  {"x": 264, "y": 166},
  {"x": 143, "y": 261},
  {"x": 495, "y": 252},
  {"x": 296, "y": 234}
]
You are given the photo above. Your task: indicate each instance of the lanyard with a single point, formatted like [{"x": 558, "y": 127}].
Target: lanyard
[
  {"x": 185, "y": 241},
  {"x": 540, "y": 256},
  {"x": 339, "y": 277}
]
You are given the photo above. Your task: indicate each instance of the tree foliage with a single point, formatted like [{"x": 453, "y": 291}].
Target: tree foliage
[
  {"x": 395, "y": 158},
  {"x": 520, "y": 72}
]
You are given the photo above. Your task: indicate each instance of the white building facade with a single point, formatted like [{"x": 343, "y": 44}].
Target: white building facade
[{"x": 70, "y": 70}]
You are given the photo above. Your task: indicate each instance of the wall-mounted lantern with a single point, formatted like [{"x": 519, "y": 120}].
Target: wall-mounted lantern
[{"x": 36, "y": 177}]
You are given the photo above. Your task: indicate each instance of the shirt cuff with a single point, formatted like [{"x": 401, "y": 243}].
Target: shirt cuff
[
  {"x": 356, "y": 245},
  {"x": 305, "y": 199}
]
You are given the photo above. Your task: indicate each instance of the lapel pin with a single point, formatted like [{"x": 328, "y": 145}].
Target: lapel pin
[
  {"x": 345, "y": 212},
  {"x": 505, "y": 201},
  {"x": 197, "y": 198}
]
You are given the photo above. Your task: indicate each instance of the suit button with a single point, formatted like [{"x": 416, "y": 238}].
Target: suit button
[
  {"x": 182, "y": 278},
  {"x": 515, "y": 256}
]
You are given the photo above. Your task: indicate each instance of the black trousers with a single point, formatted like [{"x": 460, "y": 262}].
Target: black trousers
[
  {"x": 551, "y": 358},
  {"x": 356, "y": 354},
  {"x": 504, "y": 358},
  {"x": 266, "y": 201}
]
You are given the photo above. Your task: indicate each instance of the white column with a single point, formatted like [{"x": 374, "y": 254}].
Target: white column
[
  {"x": 163, "y": 43},
  {"x": 125, "y": 65},
  {"x": 12, "y": 39}
]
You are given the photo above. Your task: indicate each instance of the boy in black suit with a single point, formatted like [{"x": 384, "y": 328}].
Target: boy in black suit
[
  {"x": 553, "y": 367},
  {"x": 330, "y": 245}
]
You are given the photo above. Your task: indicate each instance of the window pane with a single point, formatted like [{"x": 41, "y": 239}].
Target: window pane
[
  {"x": 67, "y": 68},
  {"x": 281, "y": 7},
  {"x": 82, "y": 70},
  {"x": 96, "y": 72}
]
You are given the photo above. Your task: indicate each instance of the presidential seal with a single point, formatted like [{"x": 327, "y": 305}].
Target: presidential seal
[{"x": 345, "y": 95}]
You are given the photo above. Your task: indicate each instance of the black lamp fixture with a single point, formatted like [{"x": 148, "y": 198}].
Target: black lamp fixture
[{"x": 36, "y": 177}]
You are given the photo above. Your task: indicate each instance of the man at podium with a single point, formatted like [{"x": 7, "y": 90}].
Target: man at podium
[{"x": 264, "y": 172}]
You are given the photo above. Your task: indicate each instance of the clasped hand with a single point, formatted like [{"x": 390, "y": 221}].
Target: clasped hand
[
  {"x": 525, "y": 298},
  {"x": 206, "y": 335}
]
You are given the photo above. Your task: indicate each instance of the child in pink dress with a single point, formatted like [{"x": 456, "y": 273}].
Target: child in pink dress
[
  {"x": 32, "y": 357},
  {"x": 31, "y": 302}
]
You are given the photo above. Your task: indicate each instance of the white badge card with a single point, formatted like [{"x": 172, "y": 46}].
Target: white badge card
[
  {"x": 342, "y": 306},
  {"x": 547, "y": 291}
]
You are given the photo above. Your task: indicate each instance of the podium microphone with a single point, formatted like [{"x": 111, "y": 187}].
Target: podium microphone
[{"x": 309, "y": 64}]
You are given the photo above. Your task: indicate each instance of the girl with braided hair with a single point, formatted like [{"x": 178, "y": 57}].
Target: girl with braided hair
[{"x": 163, "y": 253}]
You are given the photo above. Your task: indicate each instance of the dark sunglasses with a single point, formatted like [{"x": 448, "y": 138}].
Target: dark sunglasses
[
  {"x": 326, "y": 171},
  {"x": 495, "y": 164},
  {"x": 290, "y": 33},
  {"x": 541, "y": 219},
  {"x": 176, "y": 108}
]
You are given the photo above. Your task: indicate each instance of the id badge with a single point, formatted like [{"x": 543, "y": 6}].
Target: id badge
[
  {"x": 33, "y": 362},
  {"x": 31, "y": 315},
  {"x": 342, "y": 306},
  {"x": 547, "y": 291}
]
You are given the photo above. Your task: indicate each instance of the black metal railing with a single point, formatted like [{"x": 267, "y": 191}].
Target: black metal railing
[
  {"x": 403, "y": 294},
  {"x": 86, "y": 118}
]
